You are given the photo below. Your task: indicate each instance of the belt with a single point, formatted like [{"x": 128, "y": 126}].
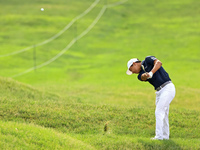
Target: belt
[{"x": 160, "y": 87}]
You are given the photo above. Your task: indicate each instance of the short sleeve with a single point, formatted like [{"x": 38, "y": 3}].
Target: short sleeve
[{"x": 150, "y": 60}]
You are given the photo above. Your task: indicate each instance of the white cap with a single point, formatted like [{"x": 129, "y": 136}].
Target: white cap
[{"x": 130, "y": 62}]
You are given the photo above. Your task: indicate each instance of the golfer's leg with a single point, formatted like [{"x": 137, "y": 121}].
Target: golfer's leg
[
  {"x": 158, "y": 131},
  {"x": 166, "y": 124},
  {"x": 166, "y": 96},
  {"x": 171, "y": 90},
  {"x": 160, "y": 113}
]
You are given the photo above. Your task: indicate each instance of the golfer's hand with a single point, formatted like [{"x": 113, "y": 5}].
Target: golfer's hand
[{"x": 145, "y": 76}]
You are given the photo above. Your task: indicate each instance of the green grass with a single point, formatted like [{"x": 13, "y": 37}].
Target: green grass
[
  {"x": 129, "y": 127},
  {"x": 70, "y": 100},
  {"x": 26, "y": 136}
]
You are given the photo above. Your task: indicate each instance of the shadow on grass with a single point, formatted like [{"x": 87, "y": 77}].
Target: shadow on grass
[{"x": 159, "y": 144}]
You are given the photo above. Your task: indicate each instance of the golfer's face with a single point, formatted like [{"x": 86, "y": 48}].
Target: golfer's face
[{"x": 135, "y": 68}]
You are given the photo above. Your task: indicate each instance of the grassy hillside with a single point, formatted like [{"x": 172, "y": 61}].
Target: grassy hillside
[
  {"x": 86, "y": 86},
  {"x": 24, "y": 120},
  {"x": 26, "y": 136}
]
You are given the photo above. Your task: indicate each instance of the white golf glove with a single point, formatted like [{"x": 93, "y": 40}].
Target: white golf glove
[{"x": 151, "y": 75}]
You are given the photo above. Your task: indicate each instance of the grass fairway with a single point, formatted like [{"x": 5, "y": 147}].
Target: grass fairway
[{"x": 80, "y": 81}]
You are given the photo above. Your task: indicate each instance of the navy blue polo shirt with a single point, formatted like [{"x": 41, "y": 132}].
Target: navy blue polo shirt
[{"x": 159, "y": 77}]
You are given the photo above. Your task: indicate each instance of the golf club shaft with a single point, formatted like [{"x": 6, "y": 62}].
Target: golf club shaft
[{"x": 143, "y": 69}]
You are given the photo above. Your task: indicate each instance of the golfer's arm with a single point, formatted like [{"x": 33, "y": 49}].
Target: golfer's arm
[{"x": 157, "y": 65}]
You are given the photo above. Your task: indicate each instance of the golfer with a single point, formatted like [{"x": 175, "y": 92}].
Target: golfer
[{"x": 151, "y": 70}]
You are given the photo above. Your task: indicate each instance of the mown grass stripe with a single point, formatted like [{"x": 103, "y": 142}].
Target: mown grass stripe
[
  {"x": 58, "y": 34},
  {"x": 71, "y": 43}
]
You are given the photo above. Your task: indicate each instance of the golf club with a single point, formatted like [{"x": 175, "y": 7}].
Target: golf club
[{"x": 143, "y": 69}]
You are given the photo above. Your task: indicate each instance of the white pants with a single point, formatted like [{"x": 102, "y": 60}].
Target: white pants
[{"x": 163, "y": 100}]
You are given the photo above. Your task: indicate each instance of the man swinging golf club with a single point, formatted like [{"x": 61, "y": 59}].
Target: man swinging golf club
[{"x": 151, "y": 70}]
